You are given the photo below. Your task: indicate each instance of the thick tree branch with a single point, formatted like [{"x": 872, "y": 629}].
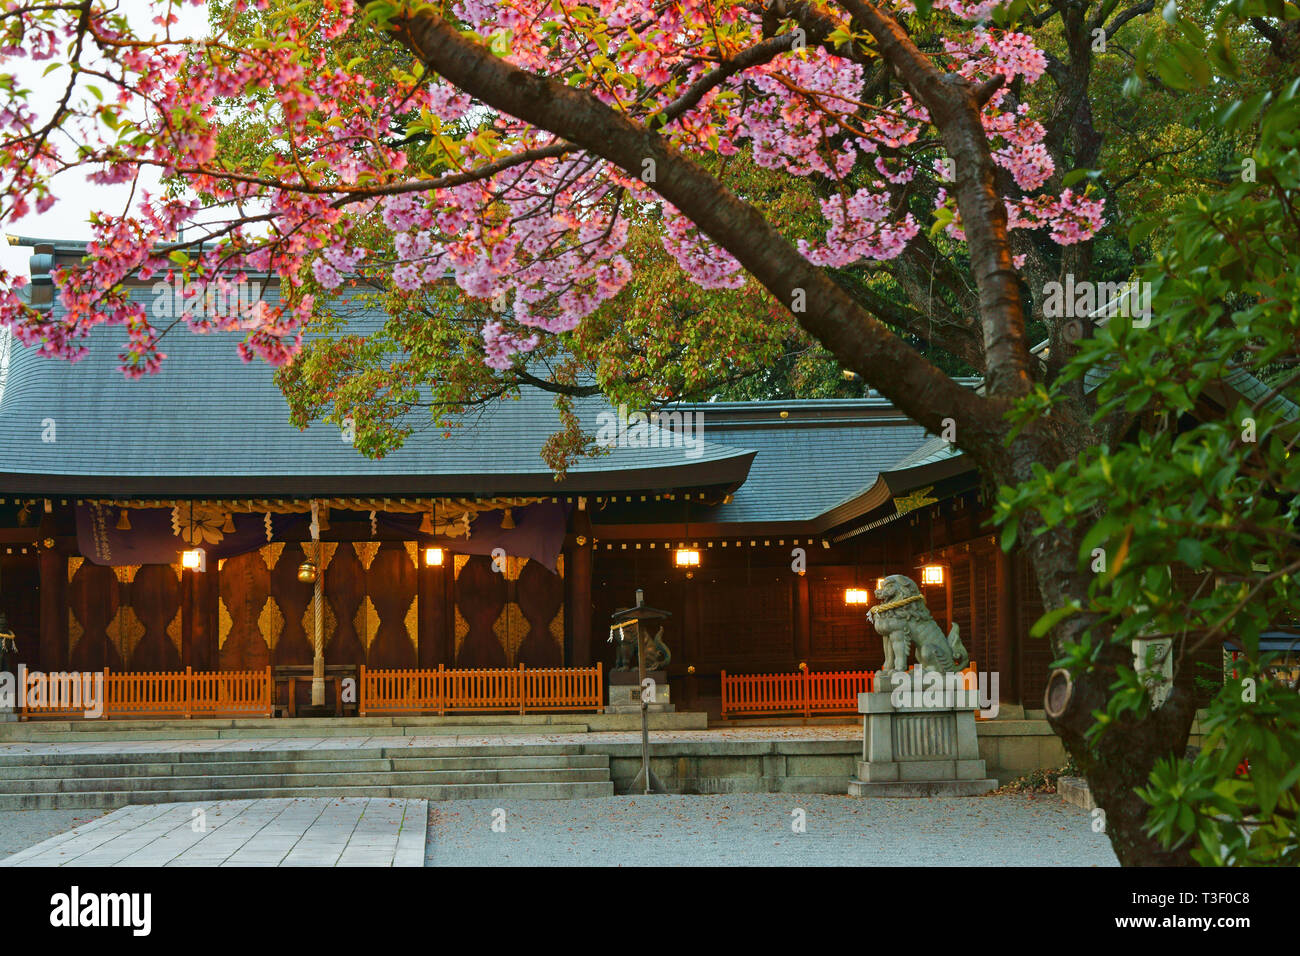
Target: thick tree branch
[
  {"x": 954, "y": 108},
  {"x": 856, "y": 338}
]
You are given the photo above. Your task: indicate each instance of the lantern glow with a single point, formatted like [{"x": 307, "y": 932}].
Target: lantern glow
[
  {"x": 687, "y": 558},
  {"x": 192, "y": 559},
  {"x": 433, "y": 556},
  {"x": 932, "y": 574},
  {"x": 856, "y": 596}
]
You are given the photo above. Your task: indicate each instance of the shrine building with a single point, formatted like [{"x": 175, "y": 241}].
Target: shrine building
[{"x": 164, "y": 523}]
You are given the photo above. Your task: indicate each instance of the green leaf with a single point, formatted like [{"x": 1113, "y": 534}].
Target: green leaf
[{"x": 1051, "y": 619}]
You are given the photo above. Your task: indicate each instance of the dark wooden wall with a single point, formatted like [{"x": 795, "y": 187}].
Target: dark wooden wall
[
  {"x": 383, "y": 607},
  {"x": 20, "y": 598}
]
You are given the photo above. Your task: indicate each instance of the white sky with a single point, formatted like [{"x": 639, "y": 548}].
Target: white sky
[{"x": 69, "y": 217}]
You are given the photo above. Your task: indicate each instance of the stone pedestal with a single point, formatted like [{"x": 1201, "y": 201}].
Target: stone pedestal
[
  {"x": 915, "y": 749},
  {"x": 624, "y": 693}
]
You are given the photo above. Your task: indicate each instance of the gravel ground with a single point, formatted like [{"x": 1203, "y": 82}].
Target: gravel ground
[
  {"x": 20, "y": 829},
  {"x": 755, "y": 829}
]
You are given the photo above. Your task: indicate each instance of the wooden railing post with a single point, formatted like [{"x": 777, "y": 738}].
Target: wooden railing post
[
  {"x": 189, "y": 692},
  {"x": 442, "y": 691},
  {"x": 361, "y": 693},
  {"x": 521, "y": 689},
  {"x": 105, "y": 693}
]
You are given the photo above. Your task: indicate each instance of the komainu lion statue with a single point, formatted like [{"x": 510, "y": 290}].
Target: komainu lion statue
[{"x": 903, "y": 621}]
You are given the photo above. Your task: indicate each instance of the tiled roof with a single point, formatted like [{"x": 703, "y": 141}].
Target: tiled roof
[
  {"x": 207, "y": 417},
  {"x": 808, "y": 462}
]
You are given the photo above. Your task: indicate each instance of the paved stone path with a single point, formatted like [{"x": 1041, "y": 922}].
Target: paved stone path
[
  {"x": 755, "y": 829},
  {"x": 20, "y": 829},
  {"x": 316, "y": 831}
]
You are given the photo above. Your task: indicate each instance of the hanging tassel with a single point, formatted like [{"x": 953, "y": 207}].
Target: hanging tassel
[
  {"x": 507, "y": 520},
  {"x": 123, "y": 522},
  {"x": 228, "y": 527},
  {"x": 426, "y": 524}
]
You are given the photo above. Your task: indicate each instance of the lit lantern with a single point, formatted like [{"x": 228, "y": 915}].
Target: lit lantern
[
  {"x": 192, "y": 559},
  {"x": 856, "y": 596},
  {"x": 687, "y": 558},
  {"x": 932, "y": 574},
  {"x": 433, "y": 557}
]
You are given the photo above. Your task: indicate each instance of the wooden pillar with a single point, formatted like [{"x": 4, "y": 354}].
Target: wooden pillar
[
  {"x": 950, "y": 564},
  {"x": 189, "y": 605},
  {"x": 802, "y": 615},
  {"x": 203, "y": 648},
  {"x": 428, "y": 650},
  {"x": 580, "y": 578},
  {"x": 1008, "y": 651},
  {"x": 317, "y": 612},
  {"x": 447, "y": 588},
  {"x": 54, "y": 612}
]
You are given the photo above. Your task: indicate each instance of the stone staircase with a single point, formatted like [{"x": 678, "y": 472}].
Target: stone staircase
[
  {"x": 40, "y": 781},
  {"x": 232, "y": 728}
]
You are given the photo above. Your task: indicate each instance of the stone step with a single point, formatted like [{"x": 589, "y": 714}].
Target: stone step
[
  {"x": 209, "y": 728},
  {"x": 317, "y": 731},
  {"x": 11, "y": 758},
  {"x": 188, "y": 768},
  {"x": 110, "y": 799},
  {"x": 333, "y": 782}
]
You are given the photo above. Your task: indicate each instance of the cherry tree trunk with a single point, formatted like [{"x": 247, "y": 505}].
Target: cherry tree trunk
[{"x": 1123, "y": 758}]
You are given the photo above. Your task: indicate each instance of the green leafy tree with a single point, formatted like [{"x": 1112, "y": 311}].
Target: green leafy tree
[{"x": 1190, "y": 522}]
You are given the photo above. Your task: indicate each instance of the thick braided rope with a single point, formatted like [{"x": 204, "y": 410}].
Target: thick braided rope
[{"x": 893, "y": 604}]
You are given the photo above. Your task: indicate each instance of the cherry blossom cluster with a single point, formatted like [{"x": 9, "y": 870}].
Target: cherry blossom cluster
[{"x": 543, "y": 240}]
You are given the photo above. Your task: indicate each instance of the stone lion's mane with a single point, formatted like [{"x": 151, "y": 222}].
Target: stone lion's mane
[{"x": 916, "y": 611}]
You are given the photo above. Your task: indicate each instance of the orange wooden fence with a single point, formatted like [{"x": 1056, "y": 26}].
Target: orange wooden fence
[
  {"x": 802, "y": 693},
  {"x": 154, "y": 694},
  {"x": 481, "y": 689}
]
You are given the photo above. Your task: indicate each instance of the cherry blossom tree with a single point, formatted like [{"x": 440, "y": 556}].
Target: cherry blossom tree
[{"x": 515, "y": 145}]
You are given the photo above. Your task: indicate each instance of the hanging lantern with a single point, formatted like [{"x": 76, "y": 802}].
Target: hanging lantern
[
  {"x": 433, "y": 557},
  {"x": 856, "y": 596},
  {"x": 307, "y": 573},
  {"x": 193, "y": 559},
  {"x": 932, "y": 575},
  {"x": 687, "y": 558}
]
